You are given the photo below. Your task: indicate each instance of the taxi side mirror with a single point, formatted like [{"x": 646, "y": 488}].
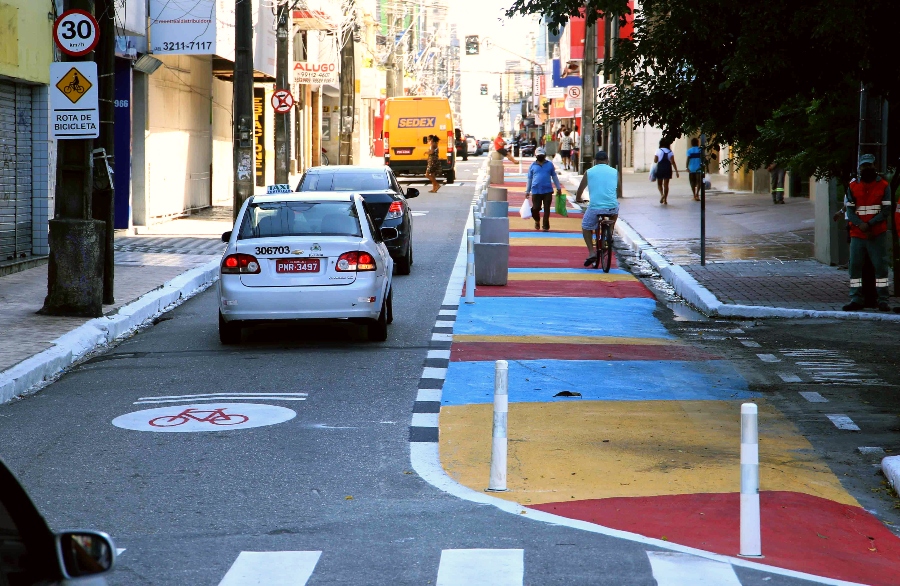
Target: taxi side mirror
[
  {"x": 85, "y": 553},
  {"x": 226, "y": 236},
  {"x": 411, "y": 192}
]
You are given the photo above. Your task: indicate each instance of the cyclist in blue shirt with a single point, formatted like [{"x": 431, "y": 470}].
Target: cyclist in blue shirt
[
  {"x": 695, "y": 167},
  {"x": 541, "y": 177},
  {"x": 602, "y": 181}
]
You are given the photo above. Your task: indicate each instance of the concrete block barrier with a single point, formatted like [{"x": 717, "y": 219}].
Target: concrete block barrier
[
  {"x": 496, "y": 194},
  {"x": 494, "y": 230},
  {"x": 491, "y": 263},
  {"x": 496, "y": 209},
  {"x": 496, "y": 172}
]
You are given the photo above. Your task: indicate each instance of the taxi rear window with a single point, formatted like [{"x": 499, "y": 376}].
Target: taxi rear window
[
  {"x": 300, "y": 218},
  {"x": 344, "y": 182}
]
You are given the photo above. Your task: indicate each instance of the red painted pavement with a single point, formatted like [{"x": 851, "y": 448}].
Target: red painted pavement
[
  {"x": 549, "y": 257},
  {"x": 489, "y": 351},
  {"x": 799, "y": 532},
  {"x": 611, "y": 289}
]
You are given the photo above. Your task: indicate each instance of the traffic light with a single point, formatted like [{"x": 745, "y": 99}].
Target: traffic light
[
  {"x": 545, "y": 106},
  {"x": 472, "y": 45},
  {"x": 484, "y": 89}
]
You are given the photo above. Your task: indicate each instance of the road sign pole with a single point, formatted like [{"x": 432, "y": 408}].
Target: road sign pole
[
  {"x": 282, "y": 126},
  {"x": 244, "y": 154},
  {"x": 75, "y": 268}
]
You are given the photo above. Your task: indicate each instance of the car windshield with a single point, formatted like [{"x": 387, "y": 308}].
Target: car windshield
[
  {"x": 344, "y": 181},
  {"x": 300, "y": 218}
]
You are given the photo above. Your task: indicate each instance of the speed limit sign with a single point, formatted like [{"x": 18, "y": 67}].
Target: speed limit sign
[{"x": 76, "y": 32}]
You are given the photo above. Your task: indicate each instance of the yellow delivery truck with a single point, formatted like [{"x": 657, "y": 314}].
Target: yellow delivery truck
[{"x": 407, "y": 123}]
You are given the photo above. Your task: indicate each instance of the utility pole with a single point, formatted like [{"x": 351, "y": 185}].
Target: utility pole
[
  {"x": 588, "y": 91},
  {"x": 615, "y": 143},
  {"x": 282, "y": 126},
  {"x": 244, "y": 155},
  {"x": 75, "y": 267},
  {"x": 873, "y": 134},
  {"x": 104, "y": 191}
]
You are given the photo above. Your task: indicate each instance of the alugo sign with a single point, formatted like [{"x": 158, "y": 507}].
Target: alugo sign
[
  {"x": 75, "y": 32},
  {"x": 308, "y": 72}
]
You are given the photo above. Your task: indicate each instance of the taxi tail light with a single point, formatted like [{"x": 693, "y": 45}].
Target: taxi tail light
[
  {"x": 395, "y": 211},
  {"x": 355, "y": 261},
  {"x": 240, "y": 264}
]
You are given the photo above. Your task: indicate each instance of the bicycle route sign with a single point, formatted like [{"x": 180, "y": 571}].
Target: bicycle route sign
[
  {"x": 282, "y": 101},
  {"x": 74, "y": 104},
  {"x": 204, "y": 417},
  {"x": 76, "y": 32}
]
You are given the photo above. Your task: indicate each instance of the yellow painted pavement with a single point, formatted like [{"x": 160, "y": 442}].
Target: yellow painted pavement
[
  {"x": 603, "y": 277},
  {"x": 600, "y": 449},
  {"x": 567, "y": 340}
]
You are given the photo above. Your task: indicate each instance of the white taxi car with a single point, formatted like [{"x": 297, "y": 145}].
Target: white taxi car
[{"x": 304, "y": 255}]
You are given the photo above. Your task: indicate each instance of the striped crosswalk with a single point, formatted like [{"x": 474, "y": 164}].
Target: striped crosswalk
[{"x": 468, "y": 567}]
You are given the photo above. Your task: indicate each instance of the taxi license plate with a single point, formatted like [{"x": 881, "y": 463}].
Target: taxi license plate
[{"x": 297, "y": 265}]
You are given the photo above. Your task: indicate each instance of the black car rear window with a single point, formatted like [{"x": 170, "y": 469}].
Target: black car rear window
[{"x": 344, "y": 181}]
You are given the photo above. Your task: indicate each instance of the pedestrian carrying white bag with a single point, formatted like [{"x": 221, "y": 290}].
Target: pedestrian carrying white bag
[
  {"x": 653, "y": 172},
  {"x": 525, "y": 210}
]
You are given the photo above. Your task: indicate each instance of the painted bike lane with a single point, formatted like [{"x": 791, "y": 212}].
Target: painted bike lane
[{"x": 647, "y": 437}]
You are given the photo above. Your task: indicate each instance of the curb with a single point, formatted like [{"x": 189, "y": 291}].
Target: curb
[
  {"x": 35, "y": 372},
  {"x": 891, "y": 468},
  {"x": 703, "y": 299}
]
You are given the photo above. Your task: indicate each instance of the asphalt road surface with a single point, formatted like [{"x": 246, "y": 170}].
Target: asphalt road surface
[{"x": 336, "y": 478}]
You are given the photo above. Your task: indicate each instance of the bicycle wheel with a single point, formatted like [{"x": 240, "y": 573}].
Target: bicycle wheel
[
  {"x": 227, "y": 419},
  {"x": 168, "y": 421},
  {"x": 324, "y": 159},
  {"x": 598, "y": 243},
  {"x": 605, "y": 255}
]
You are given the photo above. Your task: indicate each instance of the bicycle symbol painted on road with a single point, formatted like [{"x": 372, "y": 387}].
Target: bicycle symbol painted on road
[
  {"x": 213, "y": 416},
  {"x": 204, "y": 417}
]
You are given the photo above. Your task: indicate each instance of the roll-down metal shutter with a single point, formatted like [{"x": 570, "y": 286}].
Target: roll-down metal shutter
[{"x": 15, "y": 171}]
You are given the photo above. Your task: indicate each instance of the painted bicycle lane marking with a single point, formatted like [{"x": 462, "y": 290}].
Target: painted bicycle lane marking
[{"x": 204, "y": 417}]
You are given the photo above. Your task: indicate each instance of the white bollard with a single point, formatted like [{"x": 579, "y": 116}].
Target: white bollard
[
  {"x": 470, "y": 268},
  {"x": 751, "y": 542},
  {"x": 477, "y": 226},
  {"x": 497, "y": 481}
]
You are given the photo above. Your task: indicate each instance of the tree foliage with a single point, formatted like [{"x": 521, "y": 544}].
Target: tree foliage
[{"x": 779, "y": 81}]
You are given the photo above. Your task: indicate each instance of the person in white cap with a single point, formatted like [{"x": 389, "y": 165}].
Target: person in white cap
[{"x": 541, "y": 177}]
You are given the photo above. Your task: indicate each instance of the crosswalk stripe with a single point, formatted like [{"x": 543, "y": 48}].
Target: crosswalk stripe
[
  {"x": 481, "y": 567},
  {"x": 683, "y": 569},
  {"x": 271, "y": 568}
]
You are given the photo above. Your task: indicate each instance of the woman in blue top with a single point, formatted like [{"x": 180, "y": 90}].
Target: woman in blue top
[
  {"x": 694, "y": 166},
  {"x": 541, "y": 177}
]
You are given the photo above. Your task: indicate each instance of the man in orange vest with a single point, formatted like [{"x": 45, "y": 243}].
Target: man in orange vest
[{"x": 868, "y": 204}]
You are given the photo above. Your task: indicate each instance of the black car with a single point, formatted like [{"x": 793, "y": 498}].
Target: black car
[
  {"x": 384, "y": 197},
  {"x": 31, "y": 554}
]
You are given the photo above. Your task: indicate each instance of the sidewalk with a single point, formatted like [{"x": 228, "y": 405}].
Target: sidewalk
[
  {"x": 164, "y": 265},
  {"x": 759, "y": 256},
  {"x": 618, "y": 427}
]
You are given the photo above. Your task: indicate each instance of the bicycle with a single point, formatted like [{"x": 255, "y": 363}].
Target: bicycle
[
  {"x": 215, "y": 417},
  {"x": 324, "y": 158},
  {"x": 603, "y": 240},
  {"x": 74, "y": 85}
]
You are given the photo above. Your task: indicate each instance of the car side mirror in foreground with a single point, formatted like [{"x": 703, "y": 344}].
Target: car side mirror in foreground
[
  {"x": 85, "y": 553},
  {"x": 226, "y": 236},
  {"x": 389, "y": 233},
  {"x": 411, "y": 192}
]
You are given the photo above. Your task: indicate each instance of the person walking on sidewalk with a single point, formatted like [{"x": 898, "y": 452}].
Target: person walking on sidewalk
[
  {"x": 566, "y": 142},
  {"x": 665, "y": 162},
  {"x": 868, "y": 204},
  {"x": 602, "y": 181},
  {"x": 541, "y": 177},
  {"x": 500, "y": 147},
  {"x": 776, "y": 176},
  {"x": 695, "y": 167}
]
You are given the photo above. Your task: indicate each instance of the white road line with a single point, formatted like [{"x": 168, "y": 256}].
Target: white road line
[
  {"x": 199, "y": 395},
  {"x": 682, "y": 569},
  {"x": 813, "y": 397},
  {"x": 789, "y": 378},
  {"x": 735, "y": 331},
  {"x": 442, "y": 323},
  {"x": 441, "y": 337},
  {"x": 481, "y": 567},
  {"x": 429, "y": 395},
  {"x": 432, "y": 372},
  {"x": 439, "y": 354},
  {"x": 750, "y": 343},
  {"x": 447, "y": 312},
  {"x": 120, "y": 551},
  {"x": 424, "y": 420},
  {"x": 768, "y": 358},
  {"x": 225, "y": 398},
  {"x": 271, "y": 568},
  {"x": 843, "y": 422},
  {"x": 870, "y": 451}
]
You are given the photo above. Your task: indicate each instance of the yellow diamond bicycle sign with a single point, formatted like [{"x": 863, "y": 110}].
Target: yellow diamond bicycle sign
[
  {"x": 74, "y": 103},
  {"x": 74, "y": 85}
]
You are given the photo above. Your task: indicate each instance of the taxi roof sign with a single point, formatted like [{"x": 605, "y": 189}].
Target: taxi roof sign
[{"x": 278, "y": 188}]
